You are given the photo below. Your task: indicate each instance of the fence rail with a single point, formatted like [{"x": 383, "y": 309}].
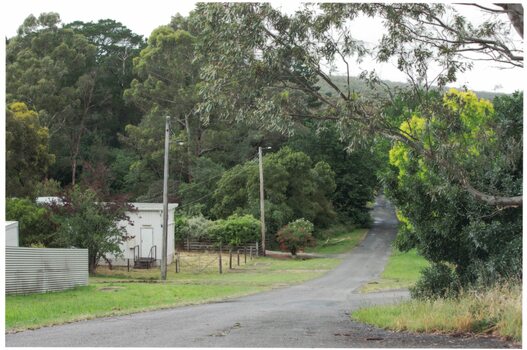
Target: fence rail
[
  {"x": 37, "y": 270},
  {"x": 214, "y": 246}
]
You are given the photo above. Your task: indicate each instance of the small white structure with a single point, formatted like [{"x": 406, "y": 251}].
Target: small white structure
[
  {"x": 145, "y": 234},
  {"x": 49, "y": 200},
  {"x": 11, "y": 233}
]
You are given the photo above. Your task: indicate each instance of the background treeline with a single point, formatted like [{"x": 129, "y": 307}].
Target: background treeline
[{"x": 86, "y": 104}]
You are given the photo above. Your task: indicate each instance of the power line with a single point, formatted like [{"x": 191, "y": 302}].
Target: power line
[{"x": 194, "y": 201}]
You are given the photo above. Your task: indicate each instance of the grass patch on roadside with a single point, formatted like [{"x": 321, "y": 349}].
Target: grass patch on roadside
[
  {"x": 401, "y": 271},
  {"x": 117, "y": 292},
  {"x": 496, "y": 311},
  {"x": 340, "y": 240}
]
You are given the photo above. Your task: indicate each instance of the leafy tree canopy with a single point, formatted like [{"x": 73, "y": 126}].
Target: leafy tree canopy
[
  {"x": 86, "y": 222},
  {"x": 294, "y": 188},
  {"x": 277, "y": 60},
  {"x": 445, "y": 223},
  {"x": 28, "y": 156}
]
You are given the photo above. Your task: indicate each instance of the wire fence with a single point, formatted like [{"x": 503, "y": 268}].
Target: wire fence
[{"x": 203, "y": 257}]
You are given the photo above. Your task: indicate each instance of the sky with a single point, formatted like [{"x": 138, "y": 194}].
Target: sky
[{"x": 144, "y": 16}]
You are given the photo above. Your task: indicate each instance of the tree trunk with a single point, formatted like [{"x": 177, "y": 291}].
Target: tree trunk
[
  {"x": 515, "y": 13},
  {"x": 92, "y": 265},
  {"x": 73, "y": 170}
]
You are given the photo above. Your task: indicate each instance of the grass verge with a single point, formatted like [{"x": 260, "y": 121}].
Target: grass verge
[
  {"x": 401, "y": 271},
  {"x": 117, "y": 292},
  {"x": 341, "y": 240},
  {"x": 496, "y": 311}
]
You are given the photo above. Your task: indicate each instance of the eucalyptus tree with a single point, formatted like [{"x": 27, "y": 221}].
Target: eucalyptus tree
[
  {"x": 116, "y": 48},
  {"x": 73, "y": 76},
  {"x": 166, "y": 78},
  {"x": 52, "y": 70},
  {"x": 27, "y": 145},
  {"x": 264, "y": 65}
]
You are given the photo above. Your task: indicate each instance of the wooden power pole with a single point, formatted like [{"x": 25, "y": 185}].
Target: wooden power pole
[
  {"x": 262, "y": 209},
  {"x": 165, "y": 204}
]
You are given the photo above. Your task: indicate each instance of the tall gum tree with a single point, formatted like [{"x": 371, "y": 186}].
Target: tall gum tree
[{"x": 51, "y": 69}]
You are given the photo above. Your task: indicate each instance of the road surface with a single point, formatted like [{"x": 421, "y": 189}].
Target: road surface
[{"x": 314, "y": 314}]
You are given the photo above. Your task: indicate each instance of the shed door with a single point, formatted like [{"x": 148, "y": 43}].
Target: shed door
[{"x": 147, "y": 240}]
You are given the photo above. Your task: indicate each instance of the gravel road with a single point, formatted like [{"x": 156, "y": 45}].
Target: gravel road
[{"x": 313, "y": 314}]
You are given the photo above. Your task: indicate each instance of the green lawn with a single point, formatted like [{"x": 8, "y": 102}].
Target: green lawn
[
  {"x": 119, "y": 292},
  {"x": 341, "y": 240},
  {"x": 401, "y": 271}
]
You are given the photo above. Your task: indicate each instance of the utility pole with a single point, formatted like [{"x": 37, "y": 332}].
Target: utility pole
[
  {"x": 165, "y": 204},
  {"x": 262, "y": 209}
]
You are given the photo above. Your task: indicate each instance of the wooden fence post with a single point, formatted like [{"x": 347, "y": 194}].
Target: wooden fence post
[
  {"x": 245, "y": 255},
  {"x": 257, "y": 250},
  {"x": 221, "y": 265},
  {"x": 238, "y": 255},
  {"x": 251, "y": 252},
  {"x": 230, "y": 258}
]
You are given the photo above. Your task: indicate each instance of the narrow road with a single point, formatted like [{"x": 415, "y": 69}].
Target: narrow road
[{"x": 313, "y": 314}]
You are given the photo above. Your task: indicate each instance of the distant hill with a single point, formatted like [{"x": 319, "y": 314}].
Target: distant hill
[{"x": 360, "y": 86}]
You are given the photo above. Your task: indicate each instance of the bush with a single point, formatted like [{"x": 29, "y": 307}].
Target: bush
[
  {"x": 196, "y": 227},
  {"x": 35, "y": 222},
  {"x": 235, "y": 230},
  {"x": 295, "y": 236},
  {"x": 180, "y": 227},
  {"x": 437, "y": 281}
]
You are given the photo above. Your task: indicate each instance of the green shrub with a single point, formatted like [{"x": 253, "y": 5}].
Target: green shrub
[
  {"x": 196, "y": 227},
  {"x": 35, "y": 222},
  {"x": 437, "y": 281},
  {"x": 180, "y": 226},
  {"x": 47, "y": 188},
  {"x": 235, "y": 230},
  {"x": 295, "y": 236}
]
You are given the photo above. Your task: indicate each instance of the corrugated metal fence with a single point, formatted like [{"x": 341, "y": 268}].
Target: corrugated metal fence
[{"x": 37, "y": 270}]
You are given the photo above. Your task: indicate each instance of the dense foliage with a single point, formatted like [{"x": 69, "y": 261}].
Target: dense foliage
[
  {"x": 28, "y": 156},
  {"x": 294, "y": 188},
  {"x": 447, "y": 225},
  {"x": 235, "y": 230},
  {"x": 86, "y": 222},
  {"x": 193, "y": 228},
  {"x": 355, "y": 172},
  {"x": 36, "y": 225}
]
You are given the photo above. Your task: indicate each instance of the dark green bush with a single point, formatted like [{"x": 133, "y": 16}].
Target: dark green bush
[
  {"x": 295, "y": 236},
  {"x": 437, "y": 281}
]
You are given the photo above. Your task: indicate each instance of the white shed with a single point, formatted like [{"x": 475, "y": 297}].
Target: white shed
[
  {"x": 145, "y": 234},
  {"x": 11, "y": 233}
]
